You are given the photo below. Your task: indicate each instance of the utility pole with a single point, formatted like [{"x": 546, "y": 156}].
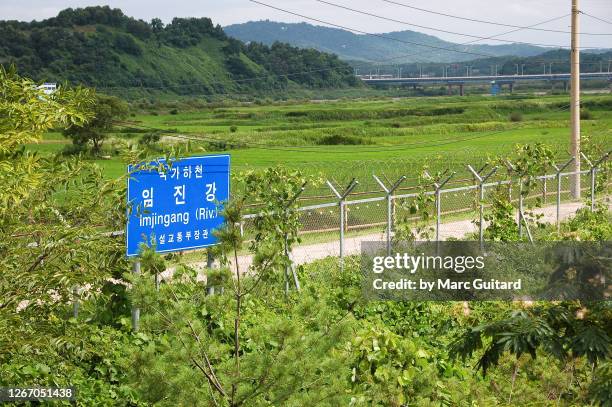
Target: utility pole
[{"x": 575, "y": 102}]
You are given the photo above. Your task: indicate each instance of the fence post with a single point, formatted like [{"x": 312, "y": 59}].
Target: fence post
[
  {"x": 593, "y": 173},
  {"x": 520, "y": 208},
  {"x": 438, "y": 216},
  {"x": 341, "y": 204},
  {"x": 558, "y": 176},
  {"x": 136, "y": 310},
  {"x": 286, "y": 267},
  {"x": 289, "y": 266},
  {"x": 346, "y": 219},
  {"x": 522, "y": 216},
  {"x": 481, "y": 182},
  {"x": 389, "y": 192},
  {"x": 593, "y": 178},
  {"x": 510, "y": 169},
  {"x": 438, "y": 195}
]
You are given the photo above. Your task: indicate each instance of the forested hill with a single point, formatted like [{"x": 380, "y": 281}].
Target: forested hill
[{"x": 102, "y": 47}]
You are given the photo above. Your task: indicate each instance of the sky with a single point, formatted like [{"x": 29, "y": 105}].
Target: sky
[{"x": 226, "y": 12}]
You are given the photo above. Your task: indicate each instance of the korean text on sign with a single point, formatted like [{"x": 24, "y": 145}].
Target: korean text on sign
[{"x": 179, "y": 207}]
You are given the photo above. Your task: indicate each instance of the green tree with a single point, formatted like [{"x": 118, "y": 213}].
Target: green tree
[
  {"x": 252, "y": 345},
  {"x": 157, "y": 26},
  {"x": 106, "y": 110},
  {"x": 567, "y": 331},
  {"x": 53, "y": 215}
]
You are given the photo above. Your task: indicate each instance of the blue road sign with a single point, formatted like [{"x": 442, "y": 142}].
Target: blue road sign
[
  {"x": 495, "y": 89},
  {"x": 177, "y": 208}
]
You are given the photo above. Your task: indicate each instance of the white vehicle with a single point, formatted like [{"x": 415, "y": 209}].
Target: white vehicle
[{"x": 48, "y": 87}]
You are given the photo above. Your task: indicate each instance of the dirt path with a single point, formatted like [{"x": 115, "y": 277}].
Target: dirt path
[{"x": 352, "y": 245}]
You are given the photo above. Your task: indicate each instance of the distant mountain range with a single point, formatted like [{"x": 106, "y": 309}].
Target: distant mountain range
[{"x": 360, "y": 47}]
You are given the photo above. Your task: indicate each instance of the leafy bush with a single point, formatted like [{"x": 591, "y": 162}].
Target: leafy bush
[
  {"x": 127, "y": 44},
  {"x": 516, "y": 117},
  {"x": 74, "y": 149},
  {"x": 336, "y": 139},
  {"x": 298, "y": 113},
  {"x": 149, "y": 139},
  {"x": 220, "y": 145},
  {"x": 588, "y": 225},
  {"x": 585, "y": 114},
  {"x": 601, "y": 387}
]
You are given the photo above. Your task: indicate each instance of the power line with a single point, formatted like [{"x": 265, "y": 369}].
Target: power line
[
  {"x": 597, "y": 18},
  {"x": 484, "y": 21},
  {"x": 369, "y": 33},
  {"x": 434, "y": 28},
  {"x": 516, "y": 30},
  {"x": 288, "y": 75}
]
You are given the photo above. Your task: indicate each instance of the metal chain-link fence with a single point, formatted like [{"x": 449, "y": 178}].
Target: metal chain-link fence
[{"x": 337, "y": 217}]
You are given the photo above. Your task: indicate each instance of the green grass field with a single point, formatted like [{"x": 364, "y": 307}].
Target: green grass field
[{"x": 346, "y": 138}]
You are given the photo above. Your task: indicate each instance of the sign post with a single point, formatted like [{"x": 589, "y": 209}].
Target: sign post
[{"x": 174, "y": 206}]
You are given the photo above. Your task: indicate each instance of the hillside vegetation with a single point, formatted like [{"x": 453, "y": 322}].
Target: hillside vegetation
[{"x": 102, "y": 47}]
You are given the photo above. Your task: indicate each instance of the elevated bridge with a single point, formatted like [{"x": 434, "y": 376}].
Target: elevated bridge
[{"x": 495, "y": 80}]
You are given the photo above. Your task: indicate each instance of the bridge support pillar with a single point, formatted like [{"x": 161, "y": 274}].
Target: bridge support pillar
[
  {"x": 450, "y": 89},
  {"x": 461, "y": 89},
  {"x": 511, "y": 86}
]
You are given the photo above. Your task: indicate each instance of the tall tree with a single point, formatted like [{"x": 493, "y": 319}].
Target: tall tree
[
  {"x": 50, "y": 240},
  {"x": 106, "y": 110}
]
